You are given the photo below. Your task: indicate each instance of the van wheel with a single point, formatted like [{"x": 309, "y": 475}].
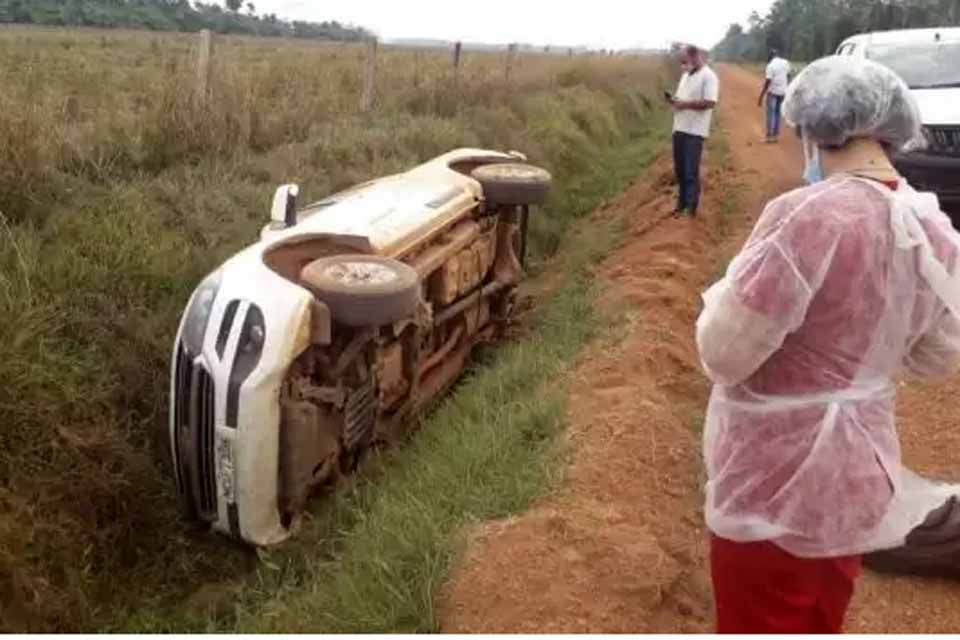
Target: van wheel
[
  {"x": 513, "y": 183},
  {"x": 362, "y": 290}
]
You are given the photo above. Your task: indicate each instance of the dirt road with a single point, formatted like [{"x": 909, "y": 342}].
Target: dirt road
[{"x": 621, "y": 547}]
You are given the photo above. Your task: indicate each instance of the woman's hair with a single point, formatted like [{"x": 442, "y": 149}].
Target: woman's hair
[{"x": 839, "y": 98}]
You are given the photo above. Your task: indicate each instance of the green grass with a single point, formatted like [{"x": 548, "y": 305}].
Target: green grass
[
  {"x": 119, "y": 192},
  {"x": 373, "y": 559},
  {"x": 731, "y": 203}
]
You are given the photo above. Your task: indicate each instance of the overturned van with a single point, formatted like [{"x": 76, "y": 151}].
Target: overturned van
[{"x": 345, "y": 320}]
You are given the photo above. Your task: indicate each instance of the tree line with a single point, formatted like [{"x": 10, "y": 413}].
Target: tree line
[
  {"x": 805, "y": 30},
  {"x": 236, "y": 16}
]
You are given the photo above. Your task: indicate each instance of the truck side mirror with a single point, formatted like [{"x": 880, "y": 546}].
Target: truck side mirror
[{"x": 283, "y": 214}]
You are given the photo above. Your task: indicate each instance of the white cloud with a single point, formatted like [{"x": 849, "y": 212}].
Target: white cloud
[{"x": 596, "y": 23}]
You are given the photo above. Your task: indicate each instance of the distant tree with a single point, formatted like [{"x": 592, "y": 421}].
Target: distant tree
[
  {"x": 809, "y": 29},
  {"x": 169, "y": 15},
  {"x": 72, "y": 12}
]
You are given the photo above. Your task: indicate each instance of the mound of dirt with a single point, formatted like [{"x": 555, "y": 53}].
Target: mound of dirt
[{"x": 621, "y": 547}]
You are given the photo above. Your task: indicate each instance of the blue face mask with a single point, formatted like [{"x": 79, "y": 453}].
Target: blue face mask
[{"x": 812, "y": 172}]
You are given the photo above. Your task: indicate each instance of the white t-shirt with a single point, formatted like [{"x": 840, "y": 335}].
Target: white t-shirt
[
  {"x": 778, "y": 73},
  {"x": 701, "y": 85}
]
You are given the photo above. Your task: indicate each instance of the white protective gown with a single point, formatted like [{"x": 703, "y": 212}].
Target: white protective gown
[{"x": 841, "y": 288}]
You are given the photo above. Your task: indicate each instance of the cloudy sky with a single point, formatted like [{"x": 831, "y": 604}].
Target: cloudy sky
[{"x": 595, "y": 23}]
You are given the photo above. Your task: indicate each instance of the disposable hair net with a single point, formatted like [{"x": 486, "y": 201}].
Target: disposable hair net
[{"x": 840, "y": 98}]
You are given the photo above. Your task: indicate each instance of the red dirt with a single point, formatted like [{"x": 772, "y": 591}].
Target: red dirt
[{"x": 621, "y": 546}]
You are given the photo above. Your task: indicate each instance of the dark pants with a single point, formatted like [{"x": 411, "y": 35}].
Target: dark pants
[
  {"x": 687, "y": 150},
  {"x": 774, "y": 104},
  {"x": 931, "y": 549}
]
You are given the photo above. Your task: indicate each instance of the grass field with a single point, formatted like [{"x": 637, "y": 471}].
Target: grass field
[{"x": 119, "y": 190}]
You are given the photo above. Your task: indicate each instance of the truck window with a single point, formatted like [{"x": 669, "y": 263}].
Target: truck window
[{"x": 927, "y": 65}]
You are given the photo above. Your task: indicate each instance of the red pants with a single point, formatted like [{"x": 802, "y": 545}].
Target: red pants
[{"x": 760, "y": 588}]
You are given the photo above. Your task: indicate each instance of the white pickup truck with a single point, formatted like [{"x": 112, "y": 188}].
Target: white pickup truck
[
  {"x": 340, "y": 324},
  {"x": 928, "y": 60}
]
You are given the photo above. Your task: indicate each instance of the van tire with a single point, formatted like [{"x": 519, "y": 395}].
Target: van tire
[
  {"x": 364, "y": 290},
  {"x": 513, "y": 183}
]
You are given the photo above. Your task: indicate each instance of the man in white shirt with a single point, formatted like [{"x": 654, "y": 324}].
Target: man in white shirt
[
  {"x": 693, "y": 105},
  {"x": 775, "y": 88}
]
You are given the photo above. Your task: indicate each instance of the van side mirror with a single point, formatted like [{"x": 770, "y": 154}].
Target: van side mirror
[{"x": 283, "y": 213}]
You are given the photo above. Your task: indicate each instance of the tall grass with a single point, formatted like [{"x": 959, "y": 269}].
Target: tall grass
[{"x": 119, "y": 191}]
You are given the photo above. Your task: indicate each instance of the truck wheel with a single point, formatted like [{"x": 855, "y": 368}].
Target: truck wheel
[
  {"x": 513, "y": 183},
  {"x": 362, "y": 290}
]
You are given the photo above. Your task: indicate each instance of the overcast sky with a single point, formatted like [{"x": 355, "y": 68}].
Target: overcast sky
[{"x": 595, "y": 23}]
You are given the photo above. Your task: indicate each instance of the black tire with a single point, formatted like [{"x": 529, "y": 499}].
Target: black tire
[
  {"x": 362, "y": 290},
  {"x": 513, "y": 183}
]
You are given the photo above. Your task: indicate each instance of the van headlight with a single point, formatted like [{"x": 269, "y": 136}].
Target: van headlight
[
  {"x": 198, "y": 313},
  {"x": 249, "y": 350}
]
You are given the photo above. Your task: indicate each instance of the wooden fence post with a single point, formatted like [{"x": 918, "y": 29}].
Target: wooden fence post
[
  {"x": 369, "y": 97},
  {"x": 511, "y": 54},
  {"x": 71, "y": 108},
  {"x": 457, "y": 59},
  {"x": 417, "y": 61},
  {"x": 204, "y": 59},
  {"x": 457, "y": 56}
]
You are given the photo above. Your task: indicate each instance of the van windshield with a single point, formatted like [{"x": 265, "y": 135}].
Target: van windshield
[{"x": 922, "y": 66}]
